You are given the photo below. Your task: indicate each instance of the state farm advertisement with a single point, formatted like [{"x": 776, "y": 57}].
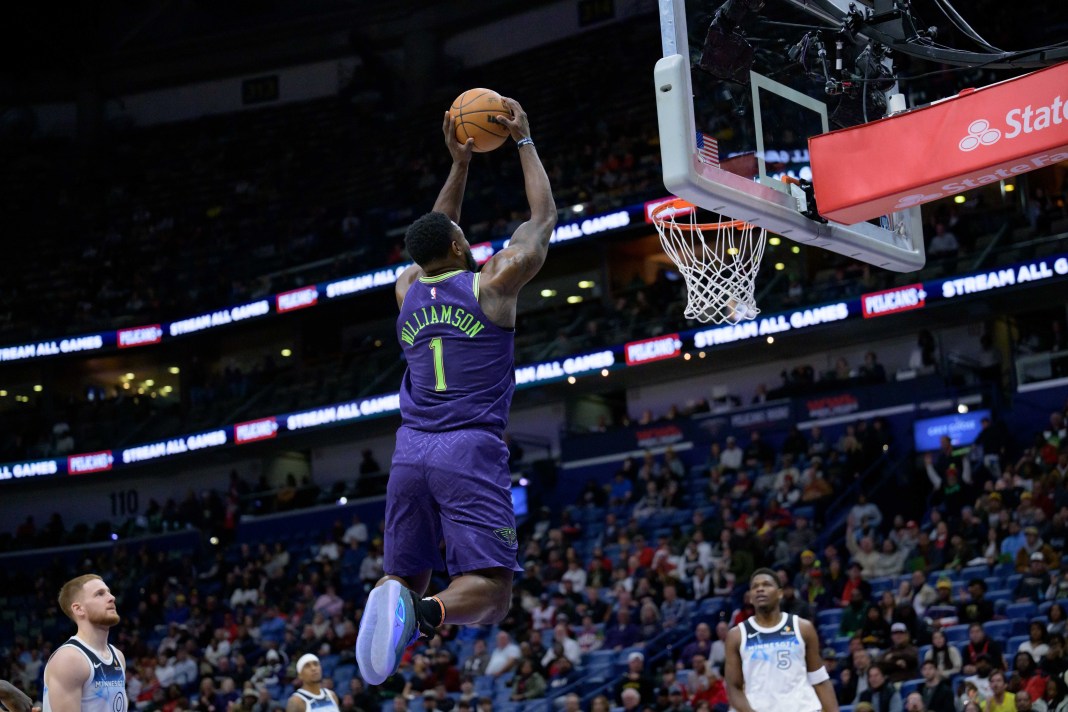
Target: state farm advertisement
[{"x": 978, "y": 137}]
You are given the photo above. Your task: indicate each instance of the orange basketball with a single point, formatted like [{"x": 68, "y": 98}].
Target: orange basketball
[{"x": 475, "y": 115}]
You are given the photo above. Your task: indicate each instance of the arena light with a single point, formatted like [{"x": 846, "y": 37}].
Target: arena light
[
  {"x": 1009, "y": 187},
  {"x": 574, "y": 299},
  {"x": 286, "y": 353},
  {"x": 571, "y": 380},
  {"x": 774, "y": 241},
  {"x": 780, "y": 266},
  {"x": 578, "y": 208},
  {"x": 38, "y": 388},
  {"x": 771, "y": 339},
  {"x": 586, "y": 284},
  {"x": 214, "y": 541},
  {"x": 150, "y": 382},
  {"x": 174, "y": 370},
  {"x": 959, "y": 199},
  {"x": 129, "y": 376},
  {"x": 3, "y": 393},
  {"x": 962, "y": 408},
  {"x": 342, "y": 500},
  {"x": 796, "y": 250},
  {"x": 604, "y": 372},
  {"x": 546, "y": 293}
]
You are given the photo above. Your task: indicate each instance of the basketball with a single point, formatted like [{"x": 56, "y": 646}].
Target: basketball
[{"x": 475, "y": 115}]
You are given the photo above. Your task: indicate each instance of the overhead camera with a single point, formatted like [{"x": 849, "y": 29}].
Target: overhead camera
[{"x": 726, "y": 53}]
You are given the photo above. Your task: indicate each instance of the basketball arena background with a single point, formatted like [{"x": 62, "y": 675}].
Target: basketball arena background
[{"x": 202, "y": 210}]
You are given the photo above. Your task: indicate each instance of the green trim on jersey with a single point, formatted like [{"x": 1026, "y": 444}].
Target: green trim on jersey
[
  {"x": 474, "y": 283},
  {"x": 440, "y": 277}
]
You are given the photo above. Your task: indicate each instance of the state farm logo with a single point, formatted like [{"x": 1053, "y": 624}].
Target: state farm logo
[
  {"x": 911, "y": 201},
  {"x": 979, "y": 134},
  {"x": 1019, "y": 121}
]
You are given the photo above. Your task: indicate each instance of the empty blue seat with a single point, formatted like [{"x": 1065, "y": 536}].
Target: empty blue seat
[
  {"x": 1012, "y": 581},
  {"x": 1005, "y": 569},
  {"x": 957, "y": 634},
  {"x": 998, "y": 630},
  {"x": 970, "y": 572},
  {"x": 999, "y": 595},
  {"x": 993, "y": 582},
  {"x": 829, "y": 617},
  {"x": 1021, "y": 610},
  {"x": 711, "y": 606},
  {"x": 924, "y": 649},
  {"x": 909, "y": 686},
  {"x": 599, "y": 658},
  {"x": 1013, "y": 645},
  {"x": 881, "y": 584}
]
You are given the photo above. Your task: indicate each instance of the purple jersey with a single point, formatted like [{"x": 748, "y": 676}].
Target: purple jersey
[{"x": 461, "y": 371}]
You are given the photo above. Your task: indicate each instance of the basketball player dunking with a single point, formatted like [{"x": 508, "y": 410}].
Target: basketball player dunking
[
  {"x": 449, "y": 477},
  {"x": 773, "y": 658},
  {"x": 312, "y": 696},
  {"x": 86, "y": 673}
]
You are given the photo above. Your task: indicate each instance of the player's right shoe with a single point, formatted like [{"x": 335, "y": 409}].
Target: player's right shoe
[{"x": 387, "y": 628}]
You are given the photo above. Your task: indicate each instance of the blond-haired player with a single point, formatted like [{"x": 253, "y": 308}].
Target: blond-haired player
[{"x": 86, "y": 673}]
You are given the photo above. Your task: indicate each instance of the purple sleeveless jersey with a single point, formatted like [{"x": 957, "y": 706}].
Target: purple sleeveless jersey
[
  {"x": 461, "y": 371},
  {"x": 449, "y": 477}
]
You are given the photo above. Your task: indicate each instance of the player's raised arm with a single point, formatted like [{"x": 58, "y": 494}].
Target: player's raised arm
[
  {"x": 516, "y": 264},
  {"x": 817, "y": 673},
  {"x": 732, "y": 672},
  {"x": 452, "y": 193},
  {"x": 64, "y": 676}
]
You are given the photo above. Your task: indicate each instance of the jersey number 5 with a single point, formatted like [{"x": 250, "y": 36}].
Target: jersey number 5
[
  {"x": 439, "y": 363},
  {"x": 783, "y": 659}
]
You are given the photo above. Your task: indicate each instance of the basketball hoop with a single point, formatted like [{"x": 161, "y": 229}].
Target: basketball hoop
[{"x": 718, "y": 261}]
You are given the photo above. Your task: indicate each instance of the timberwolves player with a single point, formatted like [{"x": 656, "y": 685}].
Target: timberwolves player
[
  {"x": 449, "y": 477},
  {"x": 773, "y": 658},
  {"x": 312, "y": 696},
  {"x": 86, "y": 673}
]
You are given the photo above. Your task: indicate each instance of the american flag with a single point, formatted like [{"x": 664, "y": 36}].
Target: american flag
[{"x": 707, "y": 149}]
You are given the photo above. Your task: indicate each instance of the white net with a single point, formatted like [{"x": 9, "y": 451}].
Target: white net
[{"x": 718, "y": 261}]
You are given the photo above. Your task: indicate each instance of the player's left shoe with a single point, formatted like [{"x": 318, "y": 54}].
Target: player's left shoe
[{"x": 388, "y": 627}]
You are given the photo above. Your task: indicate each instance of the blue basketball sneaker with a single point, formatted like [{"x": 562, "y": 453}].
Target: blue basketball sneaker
[{"x": 388, "y": 627}]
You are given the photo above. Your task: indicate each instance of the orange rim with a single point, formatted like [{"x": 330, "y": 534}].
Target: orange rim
[{"x": 680, "y": 204}]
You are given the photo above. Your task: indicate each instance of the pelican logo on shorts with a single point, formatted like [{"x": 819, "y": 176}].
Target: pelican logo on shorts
[
  {"x": 506, "y": 534},
  {"x": 979, "y": 134}
]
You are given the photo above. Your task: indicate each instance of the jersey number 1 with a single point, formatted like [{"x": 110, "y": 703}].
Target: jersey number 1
[{"x": 439, "y": 363}]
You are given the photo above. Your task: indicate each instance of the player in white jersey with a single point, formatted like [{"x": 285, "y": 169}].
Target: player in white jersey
[
  {"x": 773, "y": 658},
  {"x": 312, "y": 696},
  {"x": 86, "y": 674}
]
